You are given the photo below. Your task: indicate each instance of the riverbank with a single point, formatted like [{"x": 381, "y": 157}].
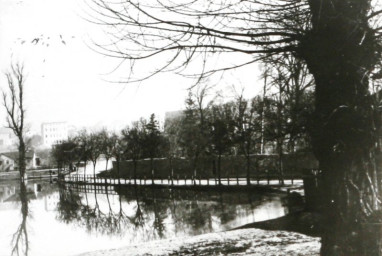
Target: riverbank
[{"x": 239, "y": 242}]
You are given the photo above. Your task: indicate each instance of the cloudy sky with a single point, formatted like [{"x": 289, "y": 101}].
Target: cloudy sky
[{"x": 68, "y": 81}]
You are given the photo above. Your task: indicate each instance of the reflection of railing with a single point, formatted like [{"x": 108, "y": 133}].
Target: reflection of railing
[
  {"x": 94, "y": 180},
  {"x": 99, "y": 189}
]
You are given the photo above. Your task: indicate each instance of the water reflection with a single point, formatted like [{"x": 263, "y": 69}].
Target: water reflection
[
  {"x": 20, "y": 240},
  {"x": 75, "y": 207},
  {"x": 154, "y": 213},
  {"x": 95, "y": 217}
]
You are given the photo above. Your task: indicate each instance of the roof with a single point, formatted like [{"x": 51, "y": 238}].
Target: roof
[
  {"x": 15, "y": 155},
  {"x": 52, "y": 123}
]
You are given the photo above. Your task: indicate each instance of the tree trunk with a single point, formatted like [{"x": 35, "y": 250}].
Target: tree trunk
[
  {"x": 248, "y": 158},
  {"x": 340, "y": 51},
  {"x": 118, "y": 171},
  {"x": 280, "y": 160},
  {"x": 194, "y": 168},
  {"x": 219, "y": 171},
  {"x": 85, "y": 171},
  {"x": 152, "y": 170},
  {"x": 135, "y": 171},
  {"x": 22, "y": 164},
  {"x": 171, "y": 171}
]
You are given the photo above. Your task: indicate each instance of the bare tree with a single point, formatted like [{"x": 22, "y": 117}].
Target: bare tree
[
  {"x": 340, "y": 42},
  {"x": 117, "y": 151},
  {"x": 248, "y": 127},
  {"x": 108, "y": 142},
  {"x": 20, "y": 239},
  {"x": 133, "y": 136},
  {"x": 193, "y": 126},
  {"x": 95, "y": 149},
  {"x": 13, "y": 101}
]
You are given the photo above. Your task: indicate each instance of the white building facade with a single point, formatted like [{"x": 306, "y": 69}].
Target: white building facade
[{"x": 54, "y": 133}]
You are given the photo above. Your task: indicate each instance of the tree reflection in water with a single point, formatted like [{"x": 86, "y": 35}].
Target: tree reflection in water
[
  {"x": 20, "y": 241},
  {"x": 137, "y": 219},
  {"x": 72, "y": 209},
  {"x": 153, "y": 213}
]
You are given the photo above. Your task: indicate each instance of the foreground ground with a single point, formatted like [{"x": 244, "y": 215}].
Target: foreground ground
[{"x": 249, "y": 241}]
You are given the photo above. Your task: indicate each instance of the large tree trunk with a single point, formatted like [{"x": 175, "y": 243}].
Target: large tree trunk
[{"x": 340, "y": 52}]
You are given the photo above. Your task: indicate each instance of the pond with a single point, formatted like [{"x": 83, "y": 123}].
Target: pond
[{"x": 48, "y": 219}]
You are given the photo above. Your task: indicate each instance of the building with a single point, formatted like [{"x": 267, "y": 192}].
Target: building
[
  {"x": 54, "y": 133},
  {"x": 9, "y": 161}
]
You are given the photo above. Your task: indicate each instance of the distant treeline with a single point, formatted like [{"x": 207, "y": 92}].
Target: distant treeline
[{"x": 204, "y": 140}]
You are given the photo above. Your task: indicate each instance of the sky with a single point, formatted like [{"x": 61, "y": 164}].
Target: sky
[{"x": 68, "y": 81}]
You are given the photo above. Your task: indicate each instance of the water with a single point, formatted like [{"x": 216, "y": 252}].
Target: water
[{"x": 46, "y": 219}]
